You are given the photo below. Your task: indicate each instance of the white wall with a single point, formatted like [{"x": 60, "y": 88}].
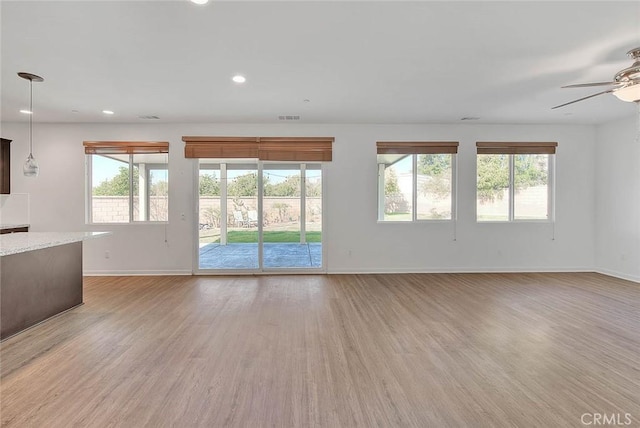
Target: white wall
[
  {"x": 618, "y": 199},
  {"x": 354, "y": 239}
]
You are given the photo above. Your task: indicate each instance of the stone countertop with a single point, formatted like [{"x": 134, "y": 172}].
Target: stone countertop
[
  {"x": 21, "y": 242},
  {"x": 12, "y": 226}
]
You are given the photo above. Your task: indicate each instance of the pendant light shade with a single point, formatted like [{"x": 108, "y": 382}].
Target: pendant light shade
[{"x": 30, "y": 167}]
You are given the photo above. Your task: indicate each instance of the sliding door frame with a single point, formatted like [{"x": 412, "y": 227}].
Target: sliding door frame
[{"x": 261, "y": 269}]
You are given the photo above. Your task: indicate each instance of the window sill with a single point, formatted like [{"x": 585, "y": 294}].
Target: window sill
[
  {"x": 515, "y": 222},
  {"x": 414, "y": 221},
  {"x": 136, "y": 223}
]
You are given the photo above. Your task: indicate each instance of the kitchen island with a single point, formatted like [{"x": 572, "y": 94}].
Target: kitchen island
[{"x": 40, "y": 276}]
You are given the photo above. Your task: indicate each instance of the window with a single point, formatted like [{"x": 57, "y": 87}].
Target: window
[
  {"x": 127, "y": 182},
  {"x": 416, "y": 181},
  {"x": 515, "y": 181}
]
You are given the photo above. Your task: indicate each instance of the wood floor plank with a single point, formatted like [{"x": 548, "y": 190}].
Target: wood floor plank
[{"x": 414, "y": 350}]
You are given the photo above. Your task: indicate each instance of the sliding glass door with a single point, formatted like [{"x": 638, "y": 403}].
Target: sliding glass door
[
  {"x": 313, "y": 212},
  {"x": 259, "y": 217},
  {"x": 228, "y": 220}
]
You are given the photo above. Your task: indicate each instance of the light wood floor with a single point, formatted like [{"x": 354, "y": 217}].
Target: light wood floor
[{"x": 418, "y": 350}]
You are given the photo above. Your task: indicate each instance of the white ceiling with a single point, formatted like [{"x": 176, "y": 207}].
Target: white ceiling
[{"x": 357, "y": 62}]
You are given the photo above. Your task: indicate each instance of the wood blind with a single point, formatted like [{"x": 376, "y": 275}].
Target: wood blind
[
  {"x": 124, "y": 147},
  {"x": 516, "y": 148},
  {"x": 306, "y": 149},
  {"x": 303, "y": 149},
  {"x": 220, "y": 147},
  {"x": 416, "y": 147}
]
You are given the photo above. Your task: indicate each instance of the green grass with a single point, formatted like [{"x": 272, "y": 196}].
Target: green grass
[
  {"x": 397, "y": 216},
  {"x": 244, "y": 236}
]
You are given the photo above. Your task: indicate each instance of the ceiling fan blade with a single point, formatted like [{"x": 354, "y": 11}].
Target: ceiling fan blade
[
  {"x": 586, "y": 85},
  {"x": 608, "y": 91}
]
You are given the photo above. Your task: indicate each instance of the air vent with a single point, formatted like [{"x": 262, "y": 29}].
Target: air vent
[
  {"x": 470, "y": 118},
  {"x": 148, "y": 117},
  {"x": 288, "y": 117}
]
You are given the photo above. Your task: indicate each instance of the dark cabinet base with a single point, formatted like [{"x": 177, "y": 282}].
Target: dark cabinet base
[
  {"x": 14, "y": 230},
  {"x": 37, "y": 285}
]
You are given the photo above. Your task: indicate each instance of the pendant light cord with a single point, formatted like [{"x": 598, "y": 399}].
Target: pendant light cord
[{"x": 31, "y": 117}]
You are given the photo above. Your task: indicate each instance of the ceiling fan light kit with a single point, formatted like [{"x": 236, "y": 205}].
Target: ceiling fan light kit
[
  {"x": 630, "y": 94},
  {"x": 625, "y": 85}
]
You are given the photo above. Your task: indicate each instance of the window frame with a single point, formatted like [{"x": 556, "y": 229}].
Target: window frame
[
  {"x": 517, "y": 149},
  {"x": 149, "y": 167},
  {"x": 130, "y": 164},
  {"x": 414, "y": 196}
]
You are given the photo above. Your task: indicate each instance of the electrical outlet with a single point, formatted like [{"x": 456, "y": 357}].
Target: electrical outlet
[{"x": 107, "y": 255}]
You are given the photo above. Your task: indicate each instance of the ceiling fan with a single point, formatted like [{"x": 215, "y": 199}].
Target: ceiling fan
[{"x": 625, "y": 85}]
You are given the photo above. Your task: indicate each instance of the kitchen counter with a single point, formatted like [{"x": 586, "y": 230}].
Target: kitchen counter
[
  {"x": 40, "y": 277},
  {"x": 15, "y": 243}
]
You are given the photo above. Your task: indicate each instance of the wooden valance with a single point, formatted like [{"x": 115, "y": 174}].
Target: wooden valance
[
  {"x": 124, "y": 147},
  {"x": 301, "y": 149},
  {"x": 220, "y": 147},
  {"x": 516, "y": 148},
  {"x": 416, "y": 147},
  {"x": 304, "y": 149}
]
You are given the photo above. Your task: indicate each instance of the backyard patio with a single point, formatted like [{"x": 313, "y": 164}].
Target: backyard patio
[{"x": 276, "y": 255}]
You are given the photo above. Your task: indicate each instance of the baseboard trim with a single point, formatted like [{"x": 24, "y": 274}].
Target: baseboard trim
[
  {"x": 619, "y": 275},
  {"x": 607, "y": 272},
  {"x": 137, "y": 273},
  {"x": 462, "y": 270}
]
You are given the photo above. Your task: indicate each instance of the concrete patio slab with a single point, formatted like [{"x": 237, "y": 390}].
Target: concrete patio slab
[{"x": 276, "y": 255}]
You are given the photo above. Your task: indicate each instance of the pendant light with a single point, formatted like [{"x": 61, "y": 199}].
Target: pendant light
[{"x": 30, "y": 167}]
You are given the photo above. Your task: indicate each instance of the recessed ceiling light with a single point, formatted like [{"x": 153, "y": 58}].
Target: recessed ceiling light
[
  {"x": 239, "y": 78},
  {"x": 25, "y": 111},
  {"x": 200, "y": 1},
  {"x": 107, "y": 111}
]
